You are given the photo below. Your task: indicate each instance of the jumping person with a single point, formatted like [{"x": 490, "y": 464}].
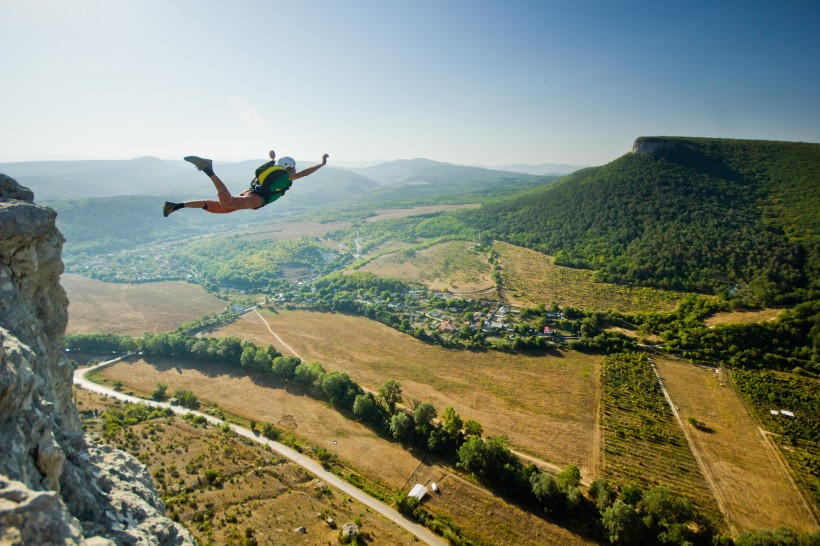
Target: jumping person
[{"x": 270, "y": 183}]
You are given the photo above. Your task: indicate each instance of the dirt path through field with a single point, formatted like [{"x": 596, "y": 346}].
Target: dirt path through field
[
  {"x": 357, "y": 342},
  {"x": 704, "y": 470},
  {"x": 752, "y": 484},
  {"x": 276, "y": 336}
]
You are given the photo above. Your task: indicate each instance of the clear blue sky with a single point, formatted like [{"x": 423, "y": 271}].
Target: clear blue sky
[{"x": 471, "y": 82}]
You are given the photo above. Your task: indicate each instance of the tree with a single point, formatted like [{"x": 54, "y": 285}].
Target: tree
[
  {"x": 569, "y": 478},
  {"x": 451, "y": 420},
  {"x": 186, "y": 398},
  {"x": 309, "y": 375},
  {"x": 340, "y": 389},
  {"x": 400, "y": 426},
  {"x": 391, "y": 394},
  {"x": 547, "y": 492},
  {"x": 602, "y": 494},
  {"x": 284, "y": 367},
  {"x": 622, "y": 523},
  {"x": 424, "y": 414},
  {"x": 160, "y": 392},
  {"x": 364, "y": 407},
  {"x": 473, "y": 428}
]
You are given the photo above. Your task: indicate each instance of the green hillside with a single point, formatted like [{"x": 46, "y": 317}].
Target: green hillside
[{"x": 731, "y": 217}]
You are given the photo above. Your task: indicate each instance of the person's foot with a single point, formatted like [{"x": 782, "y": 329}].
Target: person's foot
[
  {"x": 168, "y": 208},
  {"x": 199, "y": 162}
]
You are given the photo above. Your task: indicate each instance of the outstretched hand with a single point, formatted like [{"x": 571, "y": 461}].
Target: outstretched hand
[
  {"x": 324, "y": 159},
  {"x": 272, "y": 154}
]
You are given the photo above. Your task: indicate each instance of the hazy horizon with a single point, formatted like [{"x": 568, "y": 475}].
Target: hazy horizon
[{"x": 465, "y": 82}]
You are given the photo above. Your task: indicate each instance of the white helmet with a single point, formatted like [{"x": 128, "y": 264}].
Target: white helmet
[{"x": 287, "y": 163}]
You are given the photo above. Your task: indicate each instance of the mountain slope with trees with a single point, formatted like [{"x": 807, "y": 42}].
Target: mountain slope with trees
[{"x": 731, "y": 217}]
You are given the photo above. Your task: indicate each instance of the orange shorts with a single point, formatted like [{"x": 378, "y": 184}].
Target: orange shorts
[{"x": 230, "y": 203}]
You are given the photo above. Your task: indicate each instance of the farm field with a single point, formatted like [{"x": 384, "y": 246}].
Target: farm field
[
  {"x": 742, "y": 317},
  {"x": 488, "y": 518},
  {"x": 530, "y": 278},
  {"x": 393, "y": 214},
  {"x": 752, "y": 482},
  {"x": 262, "y": 400},
  {"x": 471, "y": 506},
  {"x": 546, "y": 405},
  {"x": 643, "y": 443},
  {"x": 453, "y": 266},
  {"x": 259, "y": 490},
  {"x": 291, "y": 230},
  {"x": 133, "y": 309}
]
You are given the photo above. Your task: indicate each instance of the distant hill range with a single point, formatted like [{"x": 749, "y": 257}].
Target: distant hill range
[
  {"x": 540, "y": 169},
  {"x": 735, "y": 217},
  {"x": 52, "y": 180}
]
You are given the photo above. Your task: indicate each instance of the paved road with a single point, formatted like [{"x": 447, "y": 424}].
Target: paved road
[{"x": 307, "y": 463}]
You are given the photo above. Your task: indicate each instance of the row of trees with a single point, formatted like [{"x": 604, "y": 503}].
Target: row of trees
[{"x": 626, "y": 516}]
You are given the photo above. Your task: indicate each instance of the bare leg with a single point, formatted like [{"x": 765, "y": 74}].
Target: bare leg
[
  {"x": 220, "y": 187},
  {"x": 194, "y": 204}
]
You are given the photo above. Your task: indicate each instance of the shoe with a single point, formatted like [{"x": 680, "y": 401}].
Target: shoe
[
  {"x": 167, "y": 208},
  {"x": 199, "y": 162}
]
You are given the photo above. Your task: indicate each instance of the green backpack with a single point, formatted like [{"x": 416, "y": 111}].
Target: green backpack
[{"x": 271, "y": 182}]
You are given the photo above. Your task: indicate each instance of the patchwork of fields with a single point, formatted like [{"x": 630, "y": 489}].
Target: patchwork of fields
[
  {"x": 559, "y": 408},
  {"x": 544, "y": 404}
]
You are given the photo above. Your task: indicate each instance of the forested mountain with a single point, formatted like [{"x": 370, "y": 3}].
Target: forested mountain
[{"x": 731, "y": 217}]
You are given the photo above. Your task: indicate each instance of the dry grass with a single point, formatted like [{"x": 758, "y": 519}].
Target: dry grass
[
  {"x": 483, "y": 517},
  {"x": 530, "y": 278},
  {"x": 473, "y": 507},
  {"x": 259, "y": 399},
  {"x": 751, "y": 482},
  {"x": 392, "y": 214},
  {"x": 292, "y": 230},
  {"x": 454, "y": 266},
  {"x": 544, "y": 404},
  {"x": 133, "y": 309},
  {"x": 261, "y": 490},
  {"x": 743, "y": 317}
]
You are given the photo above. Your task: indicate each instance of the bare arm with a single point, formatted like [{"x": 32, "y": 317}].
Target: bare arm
[{"x": 310, "y": 170}]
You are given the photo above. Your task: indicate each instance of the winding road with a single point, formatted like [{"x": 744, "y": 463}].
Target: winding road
[{"x": 421, "y": 532}]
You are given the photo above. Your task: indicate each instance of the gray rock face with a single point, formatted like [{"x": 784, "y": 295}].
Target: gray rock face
[
  {"x": 53, "y": 486},
  {"x": 650, "y": 145}
]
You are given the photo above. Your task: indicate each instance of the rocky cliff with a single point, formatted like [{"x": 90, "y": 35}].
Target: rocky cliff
[
  {"x": 653, "y": 145},
  {"x": 55, "y": 488}
]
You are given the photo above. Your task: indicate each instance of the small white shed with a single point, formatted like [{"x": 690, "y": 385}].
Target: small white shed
[{"x": 418, "y": 491}]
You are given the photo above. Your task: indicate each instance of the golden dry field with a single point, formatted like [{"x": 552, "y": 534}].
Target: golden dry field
[
  {"x": 752, "y": 481},
  {"x": 133, "y": 309},
  {"x": 473, "y": 507},
  {"x": 259, "y": 490},
  {"x": 530, "y": 278},
  {"x": 453, "y": 266},
  {"x": 291, "y": 230},
  {"x": 546, "y": 405},
  {"x": 260, "y": 398},
  {"x": 483, "y": 517},
  {"x": 742, "y": 317},
  {"x": 392, "y": 214}
]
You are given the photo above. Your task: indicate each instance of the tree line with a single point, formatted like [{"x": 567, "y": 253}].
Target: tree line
[{"x": 656, "y": 516}]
